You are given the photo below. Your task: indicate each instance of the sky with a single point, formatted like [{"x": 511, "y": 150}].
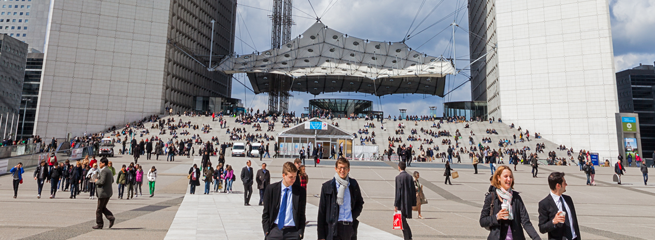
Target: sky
[{"x": 632, "y": 23}]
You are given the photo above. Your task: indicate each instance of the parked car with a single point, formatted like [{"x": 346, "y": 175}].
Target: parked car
[
  {"x": 106, "y": 147},
  {"x": 238, "y": 149}
]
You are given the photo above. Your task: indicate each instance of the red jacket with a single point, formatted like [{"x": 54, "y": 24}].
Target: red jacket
[{"x": 51, "y": 162}]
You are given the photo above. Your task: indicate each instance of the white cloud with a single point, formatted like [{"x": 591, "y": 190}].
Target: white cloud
[
  {"x": 630, "y": 60},
  {"x": 635, "y": 21}
]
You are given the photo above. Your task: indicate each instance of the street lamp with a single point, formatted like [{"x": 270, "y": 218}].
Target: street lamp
[{"x": 22, "y": 130}]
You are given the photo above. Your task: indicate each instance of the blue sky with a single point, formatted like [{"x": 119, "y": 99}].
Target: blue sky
[{"x": 632, "y": 22}]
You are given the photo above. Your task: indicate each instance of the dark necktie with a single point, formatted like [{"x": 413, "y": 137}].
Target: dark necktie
[
  {"x": 567, "y": 223},
  {"x": 283, "y": 210}
]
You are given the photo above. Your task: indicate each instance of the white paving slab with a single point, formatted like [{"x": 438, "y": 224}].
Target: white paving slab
[{"x": 223, "y": 216}]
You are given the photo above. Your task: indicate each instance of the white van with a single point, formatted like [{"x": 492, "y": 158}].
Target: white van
[
  {"x": 255, "y": 150},
  {"x": 238, "y": 149}
]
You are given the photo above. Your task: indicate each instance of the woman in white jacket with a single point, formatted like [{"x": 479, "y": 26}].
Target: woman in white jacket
[
  {"x": 152, "y": 176},
  {"x": 92, "y": 175}
]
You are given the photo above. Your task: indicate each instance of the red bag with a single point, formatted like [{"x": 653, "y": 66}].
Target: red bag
[
  {"x": 21, "y": 181},
  {"x": 397, "y": 221},
  {"x": 318, "y": 161}
]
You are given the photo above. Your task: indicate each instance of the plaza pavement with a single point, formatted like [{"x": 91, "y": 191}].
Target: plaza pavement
[{"x": 605, "y": 211}]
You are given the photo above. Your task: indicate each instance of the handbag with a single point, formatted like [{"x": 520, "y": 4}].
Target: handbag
[
  {"x": 455, "y": 174},
  {"x": 21, "y": 181},
  {"x": 397, "y": 221},
  {"x": 422, "y": 196},
  {"x": 615, "y": 178}
]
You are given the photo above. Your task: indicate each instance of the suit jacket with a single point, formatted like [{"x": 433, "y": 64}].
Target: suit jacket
[
  {"x": 328, "y": 209},
  {"x": 247, "y": 176},
  {"x": 272, "y": 197},
  {"x": 263, "y": 179},
  {"x": 105, "y": 180},
  {"x": 547, "y": 210},
  {"x": 405, "y": 194}
]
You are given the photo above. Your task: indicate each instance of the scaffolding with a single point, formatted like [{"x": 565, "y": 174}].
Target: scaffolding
[{"x": 278, "y": 97}]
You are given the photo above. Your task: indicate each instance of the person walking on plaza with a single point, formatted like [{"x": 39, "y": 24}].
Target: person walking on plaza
[
  {"x": 340, "y": 205},
  {"x": 476, "y": 160},
  {"x": 55, "y": 175},
  {"x": 503, "y": 212},
  {"x": 218, "y": 172},
  {"x": 492, "y": 160},
  {"x": 302, "y": 155},
  {"x": 207, "y": 176},
  {"x": 121, "y": 179},
  {"x": 76, "y": 179},
  {"x": 65, "y": 175},
  {"x": 557, "y": 215},
  {"x": 247, "y": 180},
  {"x": 266, "y": 154},
  {"x": 263, "y": 178},
  {"x": 420, "y": 196},
  {"x": 131, "y": 180},
  {"x": 261, "y": 151},
  {"x": 283, "y": 216},
  {"x": 152, "y": 177},
  {"x": 139, "y": 181},
  {"x": 17, "y": 177},
  {"x": 103, "y": 184},
  {"x": 41, "y": 176},
  {"x": 91, "y": 175},
  {"x": 405, "y": 198},
  {"x": 148, "y": 149},
  {"x": 447, "y": 173},
  {"x": 644, "y": 172},
  {"x": 619, "y": 170},
  {"x": 194, "y": 178},
  {"x": 228, "y": 176},
  {"x": 535, "y": 166}
]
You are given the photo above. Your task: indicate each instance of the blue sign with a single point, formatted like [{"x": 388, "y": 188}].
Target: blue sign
[
  {"x": 316, "y": 125},
  {"x": 594, "y": 158},
  {"x": 628, "y": 119}
]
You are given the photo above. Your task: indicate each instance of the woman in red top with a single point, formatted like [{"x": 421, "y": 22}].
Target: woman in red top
[{"x": 304, "y": 179}]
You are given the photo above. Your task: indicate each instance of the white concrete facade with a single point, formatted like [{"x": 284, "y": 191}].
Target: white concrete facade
[
  {"x": 556, "y": 71},
  {"x": 104, "y": 65}
]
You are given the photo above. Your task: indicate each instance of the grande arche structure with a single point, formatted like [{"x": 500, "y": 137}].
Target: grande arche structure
[{"x": 323, "y": 60}]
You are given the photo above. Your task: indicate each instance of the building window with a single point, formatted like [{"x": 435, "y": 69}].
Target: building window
[
  {"x": 27, "y": 13},
  {"x": 18, "y": 27},
  {"x": 28, "y": 6},
  {"x": 24, "y": 34},
  {"x": 25, "y": 28},
  {"x": 12, "y": 27},
  {"x": 11, "y": 35},
  {"x": 13, "y": 20},
  {"x": 22, "y": 6},
  {"x": 20, "y": 20},
  {"x": 21, "y": 13}
]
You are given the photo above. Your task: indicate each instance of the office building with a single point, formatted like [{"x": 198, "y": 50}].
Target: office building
[
  {"x": 111, "y": 62},
  {"x": 12, "y": 68},
  {"x": 636, "y": 91},
  {"x": 26, "y": 21},
  {"x": 31, "y": 86},
  {"x": 548, "y": 68}
]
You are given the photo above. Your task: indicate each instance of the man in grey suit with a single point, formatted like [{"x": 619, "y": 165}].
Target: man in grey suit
[
  {"x": 405, "y": 198},
  {"x": 247, "y": 179},
  {"x": 104, "y": 184}
]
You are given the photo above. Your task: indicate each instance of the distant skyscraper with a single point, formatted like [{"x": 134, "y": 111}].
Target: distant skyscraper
[
  {"x": 549, "y": 68},
  {"x": 12, "y": 69},
  {"x": 636, "y": 90},
  {"x": 112, "y": 62},
  {"x": 26, "y": 21}
]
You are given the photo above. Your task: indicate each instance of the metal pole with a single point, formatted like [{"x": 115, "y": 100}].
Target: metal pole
[
  {"x": 22, "y": 130},
  {"x": 211, "y": 47},
  {"x": 4, "y": 133},
  {"x": 16, "y": 132},
  {"x": 12, "y": 124}
]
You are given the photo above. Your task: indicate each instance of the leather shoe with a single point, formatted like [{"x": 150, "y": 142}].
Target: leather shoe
[
  {"x": 111, "y": 222},
  {"x": 97, "y": 227}
]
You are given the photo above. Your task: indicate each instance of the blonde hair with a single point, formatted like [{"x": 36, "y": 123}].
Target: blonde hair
[{"x": 289, "y": 167}]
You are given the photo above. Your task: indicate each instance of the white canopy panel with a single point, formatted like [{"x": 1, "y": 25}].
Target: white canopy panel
[{"x": 321, "y": 51}]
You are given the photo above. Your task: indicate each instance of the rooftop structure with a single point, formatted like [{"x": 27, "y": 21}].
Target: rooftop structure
[{"x": 324, "y": 60}]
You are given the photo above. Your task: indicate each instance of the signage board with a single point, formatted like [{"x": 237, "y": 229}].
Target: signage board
[
  {"x": 629, "y": 124},
  {"x": 77, "y": 153},
  {"x": 316, "y": 126}
]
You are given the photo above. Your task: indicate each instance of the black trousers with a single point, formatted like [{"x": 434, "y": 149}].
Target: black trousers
[
  {"x": 53, "y": 187},
  {"x": 344, "y": 232},
  {"x": 247, "y": 192},
  {"x": 447, "y": 181},
  {"x": 476, "y": 168},
  {"x": 16, "y": 184},
  {"x": 534, "y": 171},
  {"x": 102, "y": 209},
  {"x": 407, "y": 232},
  {"x": 284, "y": 234},
  {"x": 149, "y": 155}
]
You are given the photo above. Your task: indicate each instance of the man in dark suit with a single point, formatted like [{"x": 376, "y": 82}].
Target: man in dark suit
[
  {"x": 246, "y": 178},
  {"x": 340, "y": 204},
  {"x": 148, "y": 149},
  {"x": 263, "y": 180},
  {"x": 284, "y": 207},
  {"x": 104, "y": 186},
  {"x": 557, "y": 215},
  {"x": 405, "y": 197}
]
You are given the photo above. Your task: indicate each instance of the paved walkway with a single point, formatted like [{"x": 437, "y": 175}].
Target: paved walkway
[{"x": 224, "y": 216}]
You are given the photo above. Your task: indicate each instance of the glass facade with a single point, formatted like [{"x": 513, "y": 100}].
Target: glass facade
[
  {"x": 469, "y": 109},
  {"x": 33, "y": 70},
  {"x": 341, "y": 107},
  {"x": 290, "y": 146}
]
